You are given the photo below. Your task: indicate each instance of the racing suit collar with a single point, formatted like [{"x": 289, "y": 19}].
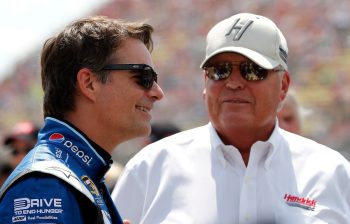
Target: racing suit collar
[
  {"x": 103, "y": 153},
  {"x": 74, "y": 148}
]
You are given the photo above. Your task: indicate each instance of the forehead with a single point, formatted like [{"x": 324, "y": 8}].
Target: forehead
[{"x": 133, "y": 51}]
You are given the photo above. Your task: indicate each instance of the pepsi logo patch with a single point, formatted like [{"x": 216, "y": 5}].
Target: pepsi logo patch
[{"x": 56, "y": 137}]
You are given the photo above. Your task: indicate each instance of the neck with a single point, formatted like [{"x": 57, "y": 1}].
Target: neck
[{"x": 93, "y": 131}]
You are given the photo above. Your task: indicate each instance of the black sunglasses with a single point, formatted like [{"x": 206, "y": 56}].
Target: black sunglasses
[
  {"x": 248, "y": 69},
  {"x": 147, "y": 75}
]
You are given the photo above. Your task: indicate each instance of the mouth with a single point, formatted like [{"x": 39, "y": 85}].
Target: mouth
[
  {"x": 143, "y": 108},
  {"x": 238, "y": 101}
]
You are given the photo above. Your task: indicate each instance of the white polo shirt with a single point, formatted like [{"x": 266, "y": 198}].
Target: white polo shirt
[{"x": 192, "y": 177}]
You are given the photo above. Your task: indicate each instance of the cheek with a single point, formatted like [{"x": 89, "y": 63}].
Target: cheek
[
  {"x": 266, "y": 103},
  {"x": 114, "y": 100},
  {"x": 214, "y": 88},
  {"x": 123, "y": 101},
  {"x": 211, "y": 97},
  {"x": 210, "y": 91}
]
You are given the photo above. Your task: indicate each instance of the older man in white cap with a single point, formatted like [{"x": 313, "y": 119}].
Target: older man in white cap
[{"x": 241, "y": 167}]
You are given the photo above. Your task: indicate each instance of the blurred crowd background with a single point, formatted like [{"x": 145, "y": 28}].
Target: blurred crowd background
[{"x": 317, "y": 32}]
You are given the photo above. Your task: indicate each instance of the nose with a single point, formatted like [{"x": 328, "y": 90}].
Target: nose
[
  {"x": 235, "y": 80},
  {"x": 155, "y": 92}
]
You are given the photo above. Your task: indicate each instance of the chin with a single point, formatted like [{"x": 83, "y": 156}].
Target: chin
[
  {"x": 143, "y": 130},
  {"x": 138, "y": 132}
]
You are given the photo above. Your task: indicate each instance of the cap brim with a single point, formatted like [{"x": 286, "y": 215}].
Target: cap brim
[{"x": 256, "y": 57}]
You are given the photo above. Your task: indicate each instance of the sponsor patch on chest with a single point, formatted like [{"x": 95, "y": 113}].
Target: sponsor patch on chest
[
  {"x": 26, "y": 209},
  {"x": 301, "y": 202}
]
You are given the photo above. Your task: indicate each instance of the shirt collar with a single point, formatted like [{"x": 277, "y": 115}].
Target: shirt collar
[
  {"x": 270, "y": 146},
  {"x": 226, "y": 154}
]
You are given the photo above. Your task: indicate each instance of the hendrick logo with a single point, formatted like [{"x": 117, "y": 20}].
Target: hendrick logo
[
  {"x": 56, "y": 137},
  {"x": 301, "y": 202},
  {"x": 238, "y": 29}
]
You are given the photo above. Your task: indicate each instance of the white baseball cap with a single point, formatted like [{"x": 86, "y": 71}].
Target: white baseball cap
[{"x": 254, "y": 36}]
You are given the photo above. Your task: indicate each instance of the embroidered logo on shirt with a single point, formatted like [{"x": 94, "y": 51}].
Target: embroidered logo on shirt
[
  {"x": 91, "y": 185},
  {"x": 301, "y": 202},
  {"x": 36, "y": 209},
  {"x": 56, "y": 137},
  {"x": 93, "y": 190},
  {"x": 59, "y": 138}
]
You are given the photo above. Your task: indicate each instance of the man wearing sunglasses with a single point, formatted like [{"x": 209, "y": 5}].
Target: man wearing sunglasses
[
  {"x": 241, "y": 167},
  {"x": 99, "y": 89}
]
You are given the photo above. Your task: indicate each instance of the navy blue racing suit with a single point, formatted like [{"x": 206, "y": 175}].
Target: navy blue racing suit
[{"x": 61, "y": 180}]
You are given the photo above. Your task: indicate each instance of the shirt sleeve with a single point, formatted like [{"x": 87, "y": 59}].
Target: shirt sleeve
[
  {"x": 128, "y": 197},
  {"x": 42, "y": 198}
]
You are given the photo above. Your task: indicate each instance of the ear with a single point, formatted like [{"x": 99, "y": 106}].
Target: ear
[
  {"x": 87, "y": 83},
  {"x": 285, "y": 85},
  {"x": 204, "y": 92}
]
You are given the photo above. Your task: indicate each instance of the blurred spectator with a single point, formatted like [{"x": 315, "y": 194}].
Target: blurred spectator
[
  {"x": 162, "y": 130},
  {"x": 20, "y": 141},
  {"x": 5, "y": 171},
  {"x": 5, "y": 167},
  {"x": 159, "y": 131},
  {"x": 289, "y": 116}
]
